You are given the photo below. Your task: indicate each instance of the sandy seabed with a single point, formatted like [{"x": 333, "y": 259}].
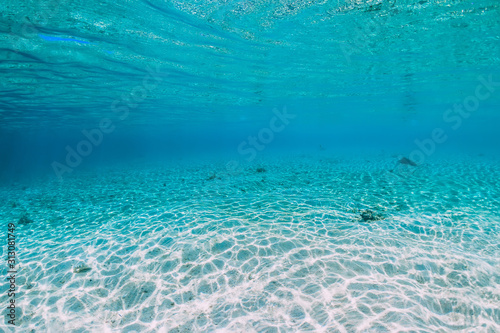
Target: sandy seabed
[{"x": 189, "y": 247}]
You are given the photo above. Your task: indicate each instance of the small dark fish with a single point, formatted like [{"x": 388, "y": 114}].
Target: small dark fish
[{"x": 407, "y": 161}]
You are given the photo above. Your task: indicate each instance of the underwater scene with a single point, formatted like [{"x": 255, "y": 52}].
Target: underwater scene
[{"x": 250, "y": 166}]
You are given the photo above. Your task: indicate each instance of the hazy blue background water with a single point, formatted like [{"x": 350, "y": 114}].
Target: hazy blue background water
[{"x": 358, "y": 75}]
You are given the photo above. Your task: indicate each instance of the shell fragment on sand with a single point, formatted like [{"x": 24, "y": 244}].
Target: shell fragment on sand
[{"x": 81, "y": 269}]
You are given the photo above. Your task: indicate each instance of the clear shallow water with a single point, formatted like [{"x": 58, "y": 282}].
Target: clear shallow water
[
  {"x": 66, "y": 63},
  {"x": 131, "y": 137}
]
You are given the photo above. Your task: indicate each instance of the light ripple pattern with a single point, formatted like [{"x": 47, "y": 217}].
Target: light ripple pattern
[{"x": 172, "y": 249}]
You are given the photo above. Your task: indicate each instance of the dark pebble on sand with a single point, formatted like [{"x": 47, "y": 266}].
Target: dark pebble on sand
[{"x": 368, "y": 216}]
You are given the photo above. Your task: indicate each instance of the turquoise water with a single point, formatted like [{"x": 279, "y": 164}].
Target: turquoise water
[{"x": 252, "y": 166}]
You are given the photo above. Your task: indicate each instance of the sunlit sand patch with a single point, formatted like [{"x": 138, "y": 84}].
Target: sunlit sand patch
[{"x": 290, "y": 253}]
